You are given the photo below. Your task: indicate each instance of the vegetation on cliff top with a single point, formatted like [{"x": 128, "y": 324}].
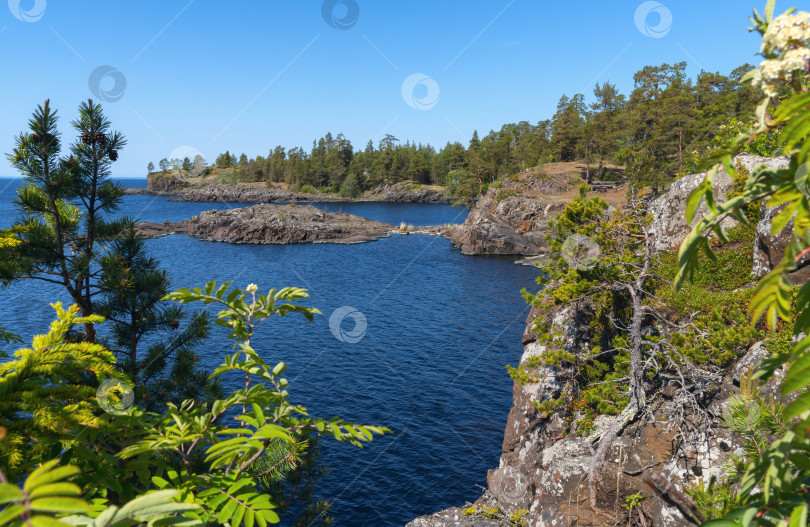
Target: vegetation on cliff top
[{"x": 699, "y": 327}]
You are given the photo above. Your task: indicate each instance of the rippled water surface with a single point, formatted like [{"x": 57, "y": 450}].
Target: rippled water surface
[{"x": 430, "y": 366}]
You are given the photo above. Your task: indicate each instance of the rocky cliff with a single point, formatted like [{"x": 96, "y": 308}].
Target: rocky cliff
[
  {"x": 511, "y": 219},
  {"x": 273, "y": 224},
  {"x": 161, "y": 183},
  {"x": 544, "y": 465}
]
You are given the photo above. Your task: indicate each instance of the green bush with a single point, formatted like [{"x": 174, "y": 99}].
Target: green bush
[{"x": 204, "y": 468}]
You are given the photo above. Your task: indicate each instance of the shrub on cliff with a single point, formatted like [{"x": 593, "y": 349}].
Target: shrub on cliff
[{"x": 775, "y": 486}]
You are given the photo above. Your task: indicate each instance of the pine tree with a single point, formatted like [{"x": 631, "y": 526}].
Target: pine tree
[
  {"x": 64, "y": 202},
  {"x": 135, "y": 287}
]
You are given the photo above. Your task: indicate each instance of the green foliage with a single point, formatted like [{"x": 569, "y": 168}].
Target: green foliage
[
  {"x": 754, "y": 418},
  {"x": 713, "y": 499},
  {"x": 517, "y": 518},
  {"x": 730, "y": 270},
  {"x": 45, "y": 392},
  {"x": 203, "y": 469},
  {"x": 46, "y": 497},
  {"x": 634, "y": 500},
  {"x": 773, "y": 488},
  {"x": 64, "y": 237},
  {"x": 135, "y": 307},
  {"x": 597, "y": 372},
  {"x": 64, "y": 201},
  {"x": 350, "y": 188}
]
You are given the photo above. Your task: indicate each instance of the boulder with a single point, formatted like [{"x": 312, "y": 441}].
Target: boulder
[
  {"x": 769, "y": 248},
  {"x": 669, "y": 210},
  {"x": 485, "y": 233}
]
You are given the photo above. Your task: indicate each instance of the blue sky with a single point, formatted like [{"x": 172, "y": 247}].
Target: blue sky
[{"x": 246, "y": 76}]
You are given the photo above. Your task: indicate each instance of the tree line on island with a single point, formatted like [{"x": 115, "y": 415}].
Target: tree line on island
[{"x": 660, "y": 131}]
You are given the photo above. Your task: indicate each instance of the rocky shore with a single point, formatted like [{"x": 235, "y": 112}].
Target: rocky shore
[
  {"x": 544, "y": 465},
  {"x": 185, "y": 190},
  {"x": 272, "y": 224},
  {"x": 511, "y": 219}
]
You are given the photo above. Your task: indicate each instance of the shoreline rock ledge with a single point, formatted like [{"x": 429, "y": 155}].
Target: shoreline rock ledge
[{"x": 272, "y": 224}]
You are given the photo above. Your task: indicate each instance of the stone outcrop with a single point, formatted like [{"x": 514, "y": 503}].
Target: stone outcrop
[
  {"x": 273, "y": 224},
  {"x": 544, "y": 466},
  {"x": 485, "y": 233},
  {"x": 669, "y": 210},
  {"x": 406, "y": 192},
  {"x": 511, "y": 219},
  {"x": 769, "y": 248},
  {"x": 160, "y": 183},
  {"x": 238, "y": 194}
]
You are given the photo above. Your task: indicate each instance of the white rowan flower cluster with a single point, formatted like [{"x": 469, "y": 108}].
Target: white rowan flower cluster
[{"x": 787, "y": 46}]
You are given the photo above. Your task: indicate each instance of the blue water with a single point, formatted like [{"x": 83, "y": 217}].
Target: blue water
[{"x": 430, "y": 366}]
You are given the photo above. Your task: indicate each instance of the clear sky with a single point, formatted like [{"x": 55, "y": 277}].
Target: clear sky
[{"x": 248, "y": 75}]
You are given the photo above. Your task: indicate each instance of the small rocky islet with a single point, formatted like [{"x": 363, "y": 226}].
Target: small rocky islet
[{"x": 272, "y": 224}]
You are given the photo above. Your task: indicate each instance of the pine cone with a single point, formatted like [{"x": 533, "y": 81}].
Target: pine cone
[
  {"x": 113, "y": 155},
  {"x": 100, "y": 138},
  {"x": 87, "y": 138}
]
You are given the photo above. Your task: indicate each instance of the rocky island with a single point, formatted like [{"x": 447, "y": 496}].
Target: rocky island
[
  {"x": 208, "y": 190},
  {"x": 272, "y": 224}
]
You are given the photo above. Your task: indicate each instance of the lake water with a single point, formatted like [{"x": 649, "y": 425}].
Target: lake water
[{"x": 441, "y": 326}]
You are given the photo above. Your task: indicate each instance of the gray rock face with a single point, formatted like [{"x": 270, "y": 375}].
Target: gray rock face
[
  {"x": 515, "y": 224},
  {"x": 484, "y": 233},
  {"x": 273, "y": 224},
  {"x": 398, "y": 193},
  {"x": 164, "y": 183},
  {"x": 544, "y": 467},
  {"x": 669, "y": 210},
  {"x": 402, "y": 193},
  {"x": 233, "y": 194},
  {"x": 769, "y": 248}
]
